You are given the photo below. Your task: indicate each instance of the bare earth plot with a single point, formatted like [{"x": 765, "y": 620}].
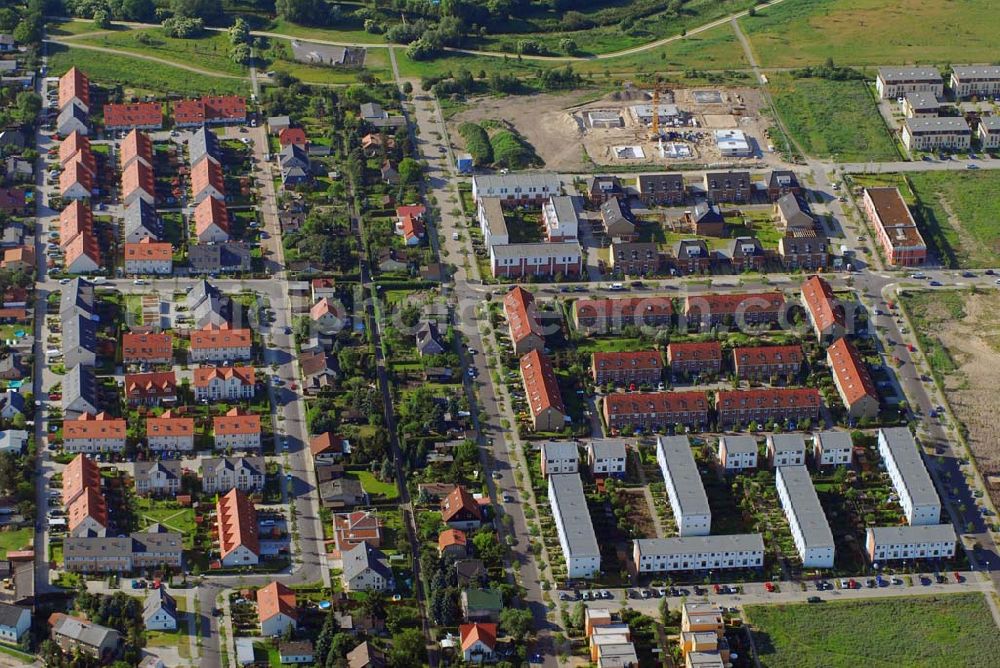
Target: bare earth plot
[
  {"x": 874, "y": 32},
  {"x": 960, "y": 334}
]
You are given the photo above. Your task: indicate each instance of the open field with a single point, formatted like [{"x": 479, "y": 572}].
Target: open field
[
  {"x": 873, "y": 32},
  {"x": 283, "y": 27},
  {"x": 958, "y": 331},
  {"x": 209, "y": 52},
  {"x": 953, "y": 630},
  {"x": 139, "y": 76},
  {"x": 850, "y": 129},
  {"x": 15, "y": 540}
]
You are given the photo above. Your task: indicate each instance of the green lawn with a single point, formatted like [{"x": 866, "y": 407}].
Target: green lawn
[
  {"x": 874, "y": 32},
  {"x": 833, "y": 119},
  {"x": 209, "y": 51},
  {"x": 139, "y": 76},
  {"x": 77, "y": 27},
  {"x": 169, "y": 514},
  {"x": 374, "y": 487},
  {"x": 15, "y": 540},
  {"x": 913, "y": 631},
  {"x": 283, "y": 27}
]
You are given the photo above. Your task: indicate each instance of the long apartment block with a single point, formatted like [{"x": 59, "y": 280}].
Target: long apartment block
[
  {"x": 925, "y": 541},
  {"x": 696, "y": 553},
  {"x": 810, "y": 529},
  {"x": 688, "y": 500},
  {"x": 905, "y": 466},
  {"x": 573, "y": 524}
]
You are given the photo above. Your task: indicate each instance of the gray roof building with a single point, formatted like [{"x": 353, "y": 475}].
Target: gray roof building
[
  {"x": 141, "y": 222},
  {"x": 792, "y": 212},
  {"x": 950, "y": 124},
  {"x": 78, "y": 296},
  {"x": 428, "y": 338},
  {"x": 362, "y": 557},
  {"x": 684, "y": 487},
  {"x": 79, "y": 340},
  {"x": 226, "y": 257},
  {"x": 681, "y": 545},
  {"x": 79, "y": 391},
  {"x": 574, "y": 526},
  {"x": 928, "y": 74},
  {"x": 607, "y": 448},
  {"x": 341, "y": 493},
  {"x": 72, "y": 118},
  {"x": 909, "y": 535},
  {"x": 91, "y": 638},
  {"x": 204, "y": 143},
  {"x": 909, "y": 476},
  {"x": 294, "y": 155},
  {"x": 808, "y": 523},
  {"x": 208, "y": 306},
  {"x": 159, "y": 601}
]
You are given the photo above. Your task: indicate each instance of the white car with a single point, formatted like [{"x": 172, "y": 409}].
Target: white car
[{"x": 454, "y": 236}]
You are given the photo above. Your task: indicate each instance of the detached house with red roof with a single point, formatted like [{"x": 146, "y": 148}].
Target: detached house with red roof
[
  {"x": 296, "y": 136},
  {"x": 360, "y": 526},
  {"x": 276, "y": 609},
  {"x": 227, "y": 383},
  {"x": 236, "y": 430},
  {"x": 219, "y": 343},
  {"x": 152, "y": 348},
  {"x": 826, "y": 314},
  {"x": 410, "y": 223},
  {"x": 238, "y": 531},
  {"x": 136, "y": 115},
  {"x": 452, "y": 542},
  {"x": 522, "y": 321},
  {"x": 627, "y": 368},
  {"x": 328, "y": 448},
  {"x": 211, "y": 221},
  {"x": 479, "y": 642},
  {"x": 459, "y": 510},
  {"x": 542, "y": 391},
  {"x": 94, "y": 433},
  {"x": 695, "y": 359},
  {"x": 853, "y": 380},
  {"x": 207, "y": 181}
]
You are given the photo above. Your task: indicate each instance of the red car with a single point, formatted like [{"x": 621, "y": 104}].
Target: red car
[
  {"x": 718, "y": 589},
  {"x": 769, "y": 586},
  {"x": 958, "y": 577},
  {"x": 853, "y": 584}
]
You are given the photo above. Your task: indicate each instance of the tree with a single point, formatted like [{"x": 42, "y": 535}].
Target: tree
[
  {"x": 410, "y": 171},
  {"x": 239, "y": 32},
  {"x": 302, "y": 11},
  {"x": 407, "y": 88},
  {"x": 241, "y": 53},
  {"x": 28, "y": 105},
  {"x": 517, "y": 622},
  {"x": 138, "y": 10},
  {"x": 102, "y": 19},
  {"x": 408, "y": 649},
  {"x": 197, "y": 9},
  {"x": 578, "y": 616}
]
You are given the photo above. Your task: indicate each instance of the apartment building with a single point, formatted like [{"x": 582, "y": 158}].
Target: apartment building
[
  {"x": 151, "y": 348},
  {"x": 695, "y": 359},
  {"x": 210, "y": 110},
  {"x": 728, "y": 187},
  {"x": 975, "y": 81},
  {"x": 526, "y": 333},
  {"x": 738, "y": 407},
  {"x": 786, "y": 450},
  {"x": 923, "y": 541},
  {"x": 897, "y": 82},
  {"x": 826, "y": 313},
  {"x": 229, "y": 383},
  {"x": 80, "y": 474},
  {"x": 151, "y": 389},
  {"x": 237, "y": 529},
  {"x": 542, "y": 392},
  {"x": 655, "y": 410},
  {"x": 698, "y": 553},
  {"x": 737, "y": 453},
  {"x": 832, "y": 448},
  {"x": 895, "y": 228},
  {"x": 516, "y": 189},
  {"x": 607, "y": 457},
  {"x": 853, "y": 380},
  {"x": 73, "y": 634},
  {"x": 221, "y": 343},
  {"x": 688, "y": 500},
  {"x": 810, "y": 529},
  {"x": 94, "y": 433},
  {"x": 88, "y": 514},
  {"x": 761, "y": 308},
  {"x": 988, "y": 132},
  {"x": 149, "y": 257},
  {"x": 921, "y": 105},
  {"x": 574, "y": 526},
  {"x": 222, "y": 474},
  {"x": 604, "y": 316},
  {"x": 169, "y": 433},
  {"x": 236, "y": 430},
  {"x": 661, "y": 189},
  {"x": 909, "y": 476},
  {"x": 627, "y": 368},
  {"x": 559, "y": 457},
  {"x": 157, "y": 478},
  {"x": 560, "y": 219},
  {"x": 634, "y": 258},
  {"x": 536, "y": 259},
  {"x": 935, "y": 133},
  {"x": 762, "y": 363}
]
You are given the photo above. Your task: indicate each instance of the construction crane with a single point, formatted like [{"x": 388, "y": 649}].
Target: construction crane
[{"x": 654, "y": 132}]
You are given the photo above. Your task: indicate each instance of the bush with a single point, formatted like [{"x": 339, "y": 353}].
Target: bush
[
  {"x": 182, "y": 28},
  {"x": 509, "y": 150},
  {"x": 477, "y": 143}
]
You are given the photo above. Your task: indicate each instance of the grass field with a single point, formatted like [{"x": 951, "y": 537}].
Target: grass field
[
  {"x": 874, "y": 32},
  {"x": 715, "y": 49},
  {"x": 15, "y": 540},
  {"x": 913, "y": 631},
  {"x": 385, "y": 490},
  {"x": 282, "y": 27},
  {"x": 833, "y": 119},
  {"x": 208, "y": 52},
  {"x": 139, "y": 76},
  {"x": 930, "y": 312}
]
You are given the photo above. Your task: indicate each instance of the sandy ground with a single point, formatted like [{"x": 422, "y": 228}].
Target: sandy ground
[
  {"x": 555, "y": 124},
  {"x": 974, "y": 344}
]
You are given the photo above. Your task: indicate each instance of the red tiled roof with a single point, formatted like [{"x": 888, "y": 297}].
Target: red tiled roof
[
  {"x": 137, "y": 114},
  {"x": 730, "y": 304},
  {"x": 206, "y": 173},
  {"x": 450, "y": 537},
  {"x": 788, "y": 397},
  {"x": 236, "y": 520},
  {"x": 154, "y": 383},
  {"x": 203, "y": 376},
  {"x": 75, "y": 171},
  {"x": 643, "y": 359},
  {"x": 823, "y": 307},
  {"x": 169, "y": 426},
  {"x": 519, "y": 304},
  {"x": 206, "y": 109},
  {"x": 322, "y": 308},
  {"x": 81, "y": 473},
  {"x": 136, "y": 145},
  {"x": 540, "y": 383},
  {"x": 144, "y": 347},
  {"x": 655, "y": 402},
  {"x": 90, "y": 426},
  {"x": 295, "y": 136},
  {"x": 71, "y": 145},
  {"x": 236, "y": 422},
  {"x": 853, "y": 377},
  {"x": 138, "y": 176},
  {"x": 478, "y": 632},
  {"x": 627, "y": 308},
  {"x": 74, "y": 84},
  {"x": 412, "y": 228},
  {"x": 768, "y": 355},
  {"x": 459, "y": 499},
  {"x": 147, "y": 249},
  {"x": 208, "y": 212},
  {"x": 276, "y": 598},
  {"x": 696, "y": 351},
  {"x": 213, "y": 336},
  {"x": 326, "y": 443},
  {"x": 84, "y": 244},
  {"x": 413, "y": 210},
  {"x": 89, "y": 504},
  {"x": 75, "y": 219}
]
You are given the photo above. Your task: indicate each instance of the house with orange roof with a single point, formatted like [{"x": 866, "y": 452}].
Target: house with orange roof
[
  {"x": 460, "y": 510},
  {"x": 82, "y": 254},
  {"x": 522, "y": 321},
  {"x": 603, "y": 316},
  {"x": 236, "y": 430},
  {"x": 296, "y": 136},
  {"x": 227, "y": 383},
  {"x": 151, "y": 348},
  {"x": 759, "y": 308},
  {"x": 542, "y": 391},
  {"x": 641, "y": 367},
  {"x": 238, "y": 531},
  {"x": 138, "y": 183},
  {"x": 453, "y": 542},
  {"x": 694, "y": 359},
  {"x": 74, "y": 88},
  {"x": 853, "y": 380},
  {"x": 328, "y": 448},
  {"x": 360, "y": 526},
  {"x": 207, "y": 181},
  {"x": 74, "y": 143},
  {"x": 136, "y": 146},
  {"x": 151, "y": 389},
  {"x": 325, "y": 317},
  {"x": 372, "y": 143},
  {"x": 479, "y": 642},
  {"x": 170, "y": 432},
  {"x": 149, "y": 257},
  {"x": 210, "y": 110},
  {"x": 655, "y": 410},
  {"x": 740, "y": 407},
  {"x": 75, "y": 181},
  {"x": 323, "y": 288},
  {"x": 19, "y": 258},
  {"x": 211, "y": 221},
  {"x": 132, "y": 116},
  {"x": 94, "y": 433},
  {"x": 826, "y": 313},
  {"x": 88, "y": 515},
  {"x": 276, "y": 609},
  {"x": 79, "y": 475},
  {"x": 74, "y": 220},
  {"x": 220, "y": 343},
  {"x": 84, "y": 156}
]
